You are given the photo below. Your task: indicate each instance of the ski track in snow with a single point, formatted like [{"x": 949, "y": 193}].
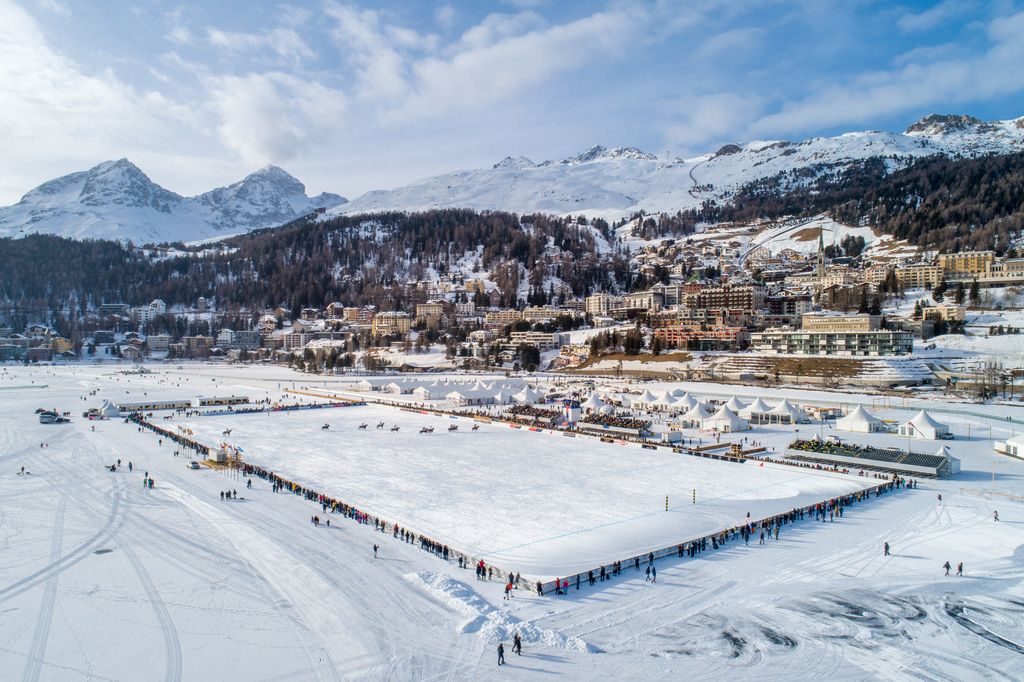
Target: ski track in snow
[
  {"x": 42, "y": 631},
  {"x": 172, "y": 643},
  {"x": 67, "y": 560}
]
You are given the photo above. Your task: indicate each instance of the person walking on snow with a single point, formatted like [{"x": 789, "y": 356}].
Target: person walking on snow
[
  {"x": 995, "y": 516},
  {"x": 654, "y": 574},
  {"x": 886, "y": 548},
  {"x": 960, "y": 568},
  {"x": 947, "y": 567},
  {"x": 517, "y": 644},
  {"x": 501, "y": 654},
  {"x": 647, "y": 574},
  {"x": 375, "y": 548},
  {"x": 508, "y": 591}
]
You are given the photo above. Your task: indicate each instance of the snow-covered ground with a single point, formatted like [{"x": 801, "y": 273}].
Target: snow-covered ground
[
  {"x": 614, "y": 183},
  {"x": 802, "y": 235},
  {"x": 589, "y": 502},
  {"x": 101, "y": 579}
]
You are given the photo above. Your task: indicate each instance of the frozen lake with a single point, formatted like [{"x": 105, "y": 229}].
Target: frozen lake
[
  {"x": 539, "y": 503},
  {"x": 103, "y": 579}
]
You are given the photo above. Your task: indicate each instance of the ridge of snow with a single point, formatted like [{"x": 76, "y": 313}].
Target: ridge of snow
[
  {"x": 492, "y": 624},
  {"x": 618, "y": 182}
]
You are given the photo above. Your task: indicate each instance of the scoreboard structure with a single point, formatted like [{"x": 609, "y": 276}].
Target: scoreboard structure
[{"x": 571, "y": 410}]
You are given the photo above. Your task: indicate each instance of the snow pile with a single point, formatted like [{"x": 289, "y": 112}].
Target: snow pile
[{"x": 492, "y": 624}]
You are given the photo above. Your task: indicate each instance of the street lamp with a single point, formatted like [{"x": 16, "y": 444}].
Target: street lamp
[{"x": 914, "y": 428}]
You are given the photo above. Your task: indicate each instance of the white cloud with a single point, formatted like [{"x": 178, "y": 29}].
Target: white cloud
[
  {"x": 56, "y": 6},
  {"x": 994, "y": 73},
  {"x": 180, "y": 35},
  {"x": 936, "y": 15},
  {"x": 275, "y": 117},
  {"x": 362, "y": 38},
  {"x": 52, "y": 109},
  {"x": 286, "y": 43},
  {"x": 525, "y": 3},
  {"x": 698, "y": 120},
  {"x": 497, "y": 27},
  {"x": 177, "y": 32},
  {"x": 445, "y": 15},
  {"x": 926, "y": 53},
  {"x": 482, "y": 73},
  {"x": 409, "y": 76},
  {"x": 730, "y": 43},
  {"x": 294, "y": 17}
]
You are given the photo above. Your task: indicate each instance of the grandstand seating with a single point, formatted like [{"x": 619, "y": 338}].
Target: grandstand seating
[{"x": 890, "y": 459}]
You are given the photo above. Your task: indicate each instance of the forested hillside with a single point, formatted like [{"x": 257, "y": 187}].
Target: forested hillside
[
  {"x": 935, "y": 202},
  {"x": 356, "y": 259}
]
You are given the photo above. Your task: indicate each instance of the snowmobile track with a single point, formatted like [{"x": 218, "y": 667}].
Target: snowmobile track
[
  {"x": 172, "y": 642},
  {"x": 42, "y": 631},
  {"x": 66, "y": 561}
]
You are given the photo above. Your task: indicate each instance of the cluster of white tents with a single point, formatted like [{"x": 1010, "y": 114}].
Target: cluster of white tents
[
  {"x": 694, "y": 417},
  {"x": 665, "y": 401},
  {"x": 700, "y": 416},
  {"x": 595, "y": 405},
  {"x": 697, "y": 414},
  {"x": 492, "y": 394},
  {"x": 725, "y": 419},
  {"x": 922, "y": 425},
  {"x": 735, "y": 415},
  {"x": 456, "y": 393},
  {"x": 695, "y": 411}
]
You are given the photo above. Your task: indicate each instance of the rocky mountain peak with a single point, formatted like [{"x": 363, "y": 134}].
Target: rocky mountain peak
[{"x": 935, "y": 124}]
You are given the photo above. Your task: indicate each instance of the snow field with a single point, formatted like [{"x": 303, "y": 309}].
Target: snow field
[
  {"x": 195, "y": 588},
  {"x": 538, "y": 503}
]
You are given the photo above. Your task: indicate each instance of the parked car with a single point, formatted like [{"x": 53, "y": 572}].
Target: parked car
[{"x": 193, "y": 465}]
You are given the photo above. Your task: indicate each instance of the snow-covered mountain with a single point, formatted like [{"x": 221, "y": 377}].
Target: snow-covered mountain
[
  {"x": 116, "y": 200},
  {"x": 617, "y": 182}
]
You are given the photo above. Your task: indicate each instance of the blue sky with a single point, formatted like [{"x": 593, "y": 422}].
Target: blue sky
[{"x": 350, "y": 97}]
